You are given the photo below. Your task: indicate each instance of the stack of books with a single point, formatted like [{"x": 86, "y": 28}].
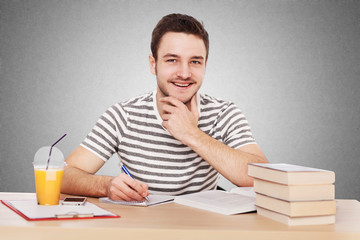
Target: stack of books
[{"x": 294, "y": 195}]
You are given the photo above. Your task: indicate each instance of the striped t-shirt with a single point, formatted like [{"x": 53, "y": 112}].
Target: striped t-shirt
[{"x": 133, "y": 130}]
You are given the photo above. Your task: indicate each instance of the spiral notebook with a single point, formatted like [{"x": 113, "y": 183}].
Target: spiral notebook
[{"x": 153, "y": 200}]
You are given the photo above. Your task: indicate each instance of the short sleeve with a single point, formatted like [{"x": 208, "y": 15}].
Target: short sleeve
[
  {"x": 234, "y": 127},
  {"x": 103, "y": 140}
]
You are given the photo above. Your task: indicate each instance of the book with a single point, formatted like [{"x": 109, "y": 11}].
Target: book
[
  {"x": 297, "y": 208},
  {"x": 296, "y": 221},
  {"x": 308, "y": 192},
  {"x": 31, "y": 211},
  {"x": 290, "y": 174},
  {"x": 247, "y": 191},
  {"x": 153, "y": 199},
  {"x": 218, "y": 201}
]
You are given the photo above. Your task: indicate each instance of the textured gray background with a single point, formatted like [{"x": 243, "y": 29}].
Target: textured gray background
[{"x": 291, "y": 66}]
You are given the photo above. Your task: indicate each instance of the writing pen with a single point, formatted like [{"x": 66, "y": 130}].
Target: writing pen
[{"x": 129, "y": 174}]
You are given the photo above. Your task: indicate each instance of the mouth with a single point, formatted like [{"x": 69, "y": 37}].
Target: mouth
[{"x": 181, "y": 85}]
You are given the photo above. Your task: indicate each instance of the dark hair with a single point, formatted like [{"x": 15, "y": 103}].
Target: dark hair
[{"x": 178, "y": 23}]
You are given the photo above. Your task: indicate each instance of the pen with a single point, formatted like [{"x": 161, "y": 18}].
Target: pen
[
  {"x": 74, "y": 215},
  {"x": 128, "y": 173}
]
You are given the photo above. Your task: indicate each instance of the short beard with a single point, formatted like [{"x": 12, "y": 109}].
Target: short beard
[{"x": 166, "y": 94}]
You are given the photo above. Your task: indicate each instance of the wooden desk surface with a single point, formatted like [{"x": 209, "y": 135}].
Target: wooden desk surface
[{"x": 174, "y": 221}]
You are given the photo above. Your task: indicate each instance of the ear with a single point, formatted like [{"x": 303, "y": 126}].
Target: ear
[{"x": 152, "y": 64}]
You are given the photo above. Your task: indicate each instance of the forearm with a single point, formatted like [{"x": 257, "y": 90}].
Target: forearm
[
  {"x": 79, "y": 182},
  {"x": 182, "y": 123},
  {"x": 229, "y": 162}
]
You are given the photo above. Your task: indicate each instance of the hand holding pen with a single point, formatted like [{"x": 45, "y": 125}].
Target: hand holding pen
[
  {"x": 125, "y": 188},
  {"x": 128, "y": 173}
]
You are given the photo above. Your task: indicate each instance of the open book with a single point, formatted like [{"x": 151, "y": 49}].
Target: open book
[
  {"x": 153, "y": 200},
  {"x": 238, "y": 200}
]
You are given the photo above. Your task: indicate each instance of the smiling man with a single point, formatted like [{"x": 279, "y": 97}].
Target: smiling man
[{"x": 173, "y": 141}]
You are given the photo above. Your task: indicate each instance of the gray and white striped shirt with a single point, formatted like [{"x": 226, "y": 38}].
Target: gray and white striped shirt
[{"x": 133, "y": 130}]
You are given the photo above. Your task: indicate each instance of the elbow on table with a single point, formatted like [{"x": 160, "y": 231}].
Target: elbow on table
[{"x": 245, "y": 182}]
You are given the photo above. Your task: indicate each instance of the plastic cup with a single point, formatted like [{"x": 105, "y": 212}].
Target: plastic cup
[{"x": 48, "y": 179}]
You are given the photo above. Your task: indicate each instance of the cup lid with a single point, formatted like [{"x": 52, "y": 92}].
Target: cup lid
[{"x": 53, "y": 154}]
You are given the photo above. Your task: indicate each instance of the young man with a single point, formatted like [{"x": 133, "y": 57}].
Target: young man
[{"x": 173, "y": 141}]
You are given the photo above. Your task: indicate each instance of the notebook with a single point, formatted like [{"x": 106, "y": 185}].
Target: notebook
[{"x": 153, "y": 200}]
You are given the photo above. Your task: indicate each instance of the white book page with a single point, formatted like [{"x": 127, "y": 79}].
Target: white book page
[
  {"x": 247, "y": 191},
  {"x": 288, "y": 167},
  {"x": 219, "y": 201}
]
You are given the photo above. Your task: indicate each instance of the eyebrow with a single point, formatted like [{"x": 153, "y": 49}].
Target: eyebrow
[{"x": 169, "y": 55}]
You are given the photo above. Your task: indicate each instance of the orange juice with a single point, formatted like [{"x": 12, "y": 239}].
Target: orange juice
[{"x": 48, "y": 185}]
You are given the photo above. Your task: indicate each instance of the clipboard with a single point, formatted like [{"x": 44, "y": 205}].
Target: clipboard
[{"x": 31, "y": 211}]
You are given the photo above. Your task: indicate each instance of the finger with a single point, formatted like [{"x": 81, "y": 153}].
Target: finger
[
  {"x": 137, "y": 187},
  {"x": 122, "y": 189},
  {"x": 193, "y": 107},
  {"x": 129, "y": 194},
  {"x": 165, "y": 116},
  {"x": 172, "y": 101},
  {"x": 121, "y": 196},
  {"x": 146, "y": 187},
  {"x": 169, "y": 108},
  {"x": 165, "y": 124},
  {"x": 115, "y": 191}
]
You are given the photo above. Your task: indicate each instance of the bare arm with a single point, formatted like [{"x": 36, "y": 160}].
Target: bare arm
[
  {"x": 80, "y": 179},
  {"x": 181, "y": 122},
  {"x": 231, "y": 163}
]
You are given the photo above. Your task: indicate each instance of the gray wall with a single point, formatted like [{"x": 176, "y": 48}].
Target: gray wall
[{"x": 291, "y": 66}]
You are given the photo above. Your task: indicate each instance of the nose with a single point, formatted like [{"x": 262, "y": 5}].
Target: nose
[{"x": 184, "y": 71}]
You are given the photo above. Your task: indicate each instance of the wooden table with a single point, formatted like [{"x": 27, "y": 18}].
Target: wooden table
[{"x": 174, "y": 221}]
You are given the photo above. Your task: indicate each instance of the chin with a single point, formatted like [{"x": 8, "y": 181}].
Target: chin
[{"x": 183, "y": 99}]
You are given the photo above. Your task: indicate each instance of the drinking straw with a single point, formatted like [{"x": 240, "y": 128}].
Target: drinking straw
[{"x": 48, "y": 161}]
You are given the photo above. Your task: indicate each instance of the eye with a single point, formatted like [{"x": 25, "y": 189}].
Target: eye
[
  {"x": 196, "y": 62},
  {"x": 171, "y": 60}
]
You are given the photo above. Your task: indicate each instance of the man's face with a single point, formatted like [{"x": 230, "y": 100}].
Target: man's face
[{"x": 180, "y": 67}]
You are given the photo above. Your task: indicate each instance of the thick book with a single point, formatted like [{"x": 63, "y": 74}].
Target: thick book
[
  {"x": 296, "y": 221},
  {"x": 227, "y": 203},
  {"x": 297, "y": 208},
  {"x": 290, "y": 174},
  {"x": 308, "y": 192}
]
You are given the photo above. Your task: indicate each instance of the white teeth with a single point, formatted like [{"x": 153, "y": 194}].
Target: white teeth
[{"x": 182, "y": 85}]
